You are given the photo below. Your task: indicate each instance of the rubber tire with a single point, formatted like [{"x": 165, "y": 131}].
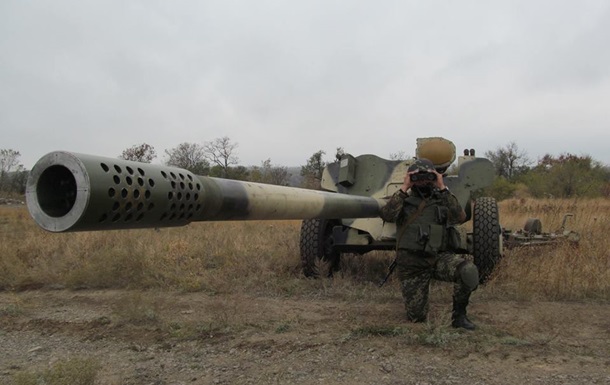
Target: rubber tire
[
  {"x": 486, "y": 236},
  {"x": 316, "y": 248}
]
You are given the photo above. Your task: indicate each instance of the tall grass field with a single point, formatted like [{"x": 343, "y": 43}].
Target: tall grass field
[{"x": 262, "y": 257}]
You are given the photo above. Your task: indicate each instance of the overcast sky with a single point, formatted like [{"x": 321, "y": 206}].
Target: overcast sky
[{"x": 285, "y": 79}]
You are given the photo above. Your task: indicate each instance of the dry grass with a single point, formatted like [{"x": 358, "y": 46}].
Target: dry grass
[
  {"x": 563, "y": 271},
  {"x": 263, "y": 258},
  {"x": 73, "y": 371}
]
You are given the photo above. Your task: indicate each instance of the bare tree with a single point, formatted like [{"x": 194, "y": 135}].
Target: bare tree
[
  {"x": 278, "y": 175},
  {"x": 190, "y": 156},
  {"x": 509, "y": 161},
  {"x": 9, "y": 164},
  {"x": 221, "y": 152},
  {"x": 139, "y": 153},
  {"x": 399, "y": 155}
]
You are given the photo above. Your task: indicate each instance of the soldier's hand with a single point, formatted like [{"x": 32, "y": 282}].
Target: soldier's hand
[
  {"x": 439, "y": 183},
  {"x": 407, "y": 183}
]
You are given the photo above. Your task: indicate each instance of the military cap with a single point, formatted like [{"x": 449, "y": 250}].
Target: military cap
[{"x": 421, "y": 165}]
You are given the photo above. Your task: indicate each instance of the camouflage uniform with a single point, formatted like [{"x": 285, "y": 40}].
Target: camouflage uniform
[{"x": 424, "y": 251}]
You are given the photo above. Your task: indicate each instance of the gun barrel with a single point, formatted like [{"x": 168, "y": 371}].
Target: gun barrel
[{"x": 75, "y": 192}]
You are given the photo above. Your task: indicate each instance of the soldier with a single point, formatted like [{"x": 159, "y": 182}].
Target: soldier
[{"x": 424, "y": 211}]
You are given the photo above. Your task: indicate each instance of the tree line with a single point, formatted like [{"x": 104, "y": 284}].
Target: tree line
[
  {"x": 562, "y": 176},
  {"x": 217, "y": 158},
  {"x": 551, "y": 176}
]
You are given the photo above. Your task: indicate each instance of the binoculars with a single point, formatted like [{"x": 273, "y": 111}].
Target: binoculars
[{"x": 423, "y": 176}]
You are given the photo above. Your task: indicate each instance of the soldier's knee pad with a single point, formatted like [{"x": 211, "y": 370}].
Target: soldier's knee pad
[{"x": 469, "y": 275}]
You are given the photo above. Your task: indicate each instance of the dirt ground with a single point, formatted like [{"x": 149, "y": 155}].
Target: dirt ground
[{"x": 156, "y": 337}]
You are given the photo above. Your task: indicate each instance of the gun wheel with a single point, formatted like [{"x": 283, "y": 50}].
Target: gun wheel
[
  {"x": 316, "y": 246},
  {"x": 487, "y": 236}
]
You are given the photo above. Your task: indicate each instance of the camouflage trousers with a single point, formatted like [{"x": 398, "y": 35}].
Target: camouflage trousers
[{"x": 416, "y": 270}]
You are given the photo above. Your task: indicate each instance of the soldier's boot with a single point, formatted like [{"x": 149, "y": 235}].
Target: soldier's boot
[{"x": 458, "y": 316}]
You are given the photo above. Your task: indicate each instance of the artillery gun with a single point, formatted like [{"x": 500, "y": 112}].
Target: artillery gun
[{"x": 77, "y": 192}]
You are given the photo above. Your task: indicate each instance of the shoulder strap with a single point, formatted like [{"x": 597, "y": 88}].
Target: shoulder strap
[{"x": 410, "y": 220}]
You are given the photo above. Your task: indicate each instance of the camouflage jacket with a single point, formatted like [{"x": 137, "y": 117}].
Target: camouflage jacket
[
  {"x": 396, "y": 212},
  {"x": 442, "y": 209}
]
